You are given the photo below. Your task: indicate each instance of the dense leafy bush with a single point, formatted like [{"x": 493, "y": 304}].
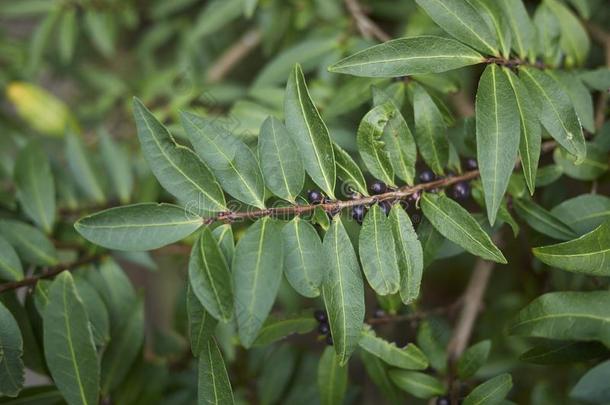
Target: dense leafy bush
[{"x": 333, "y": 216}]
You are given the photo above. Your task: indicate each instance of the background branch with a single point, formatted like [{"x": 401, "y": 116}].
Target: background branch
[{"x": 232, "y": 56}]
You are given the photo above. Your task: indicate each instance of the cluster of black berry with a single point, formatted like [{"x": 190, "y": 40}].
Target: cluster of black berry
[
  {"x": 323, "y": 326},
  {"x": 459, "y": 191},
  {"x": 379, "y": 187}
]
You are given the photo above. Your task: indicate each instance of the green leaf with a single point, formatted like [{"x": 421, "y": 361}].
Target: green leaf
[
  {"x": 580, "y": 96},
  {"x": 598, "y": 79},
  {"x": 522, "y": 29},
  {"x": 275, "y": 329},
  {"x": 201, "y": 323},
  {"x": 531, "y": 132},
  {"x": 214, "y": 386},
  {"x": 12, "y": 373},
  {"x": 116, "y": 291},
  {"x": 332, "y": 378},
  {"x": 68, "y": 29},
  {"x": 303, "y": 266},
  {"x": 473, "y": 359},
  {"x": 377, "y": 370},
  {"x": 37, "y": 395},
  {"x": 583, "y": 213},
  {"x": 124, "y": 348},
  {"x": 343, "y": 291},
  {"x": 430, "y": 130},
  {"x": 566, "y": 316},
  {"x": 419, "y": 385},
  {"x": 496, "y": 20},
  {"x": 83, "y": 172},
  {"x": 231, "y": 161},
  {"x": 280, "y": 161},
  {"x": 100, "y": 26},
  {"x": 557, "y": 114},
  {"x": 116, "y": 162},
  {"x": 176, "y": 167},
  {"x": 30, "y": 243},
  {"x": 349, "y": 172},
  {"x": 574, "y": 40},
  {"x": 96, "y": 311},
  {"x": 592, "y": 167},
  {"x": 408, "y": 357},
  {"x": 497, "y": 115},
  {"x": 461, "y": 21},
  {"x": 377, "y": 252},
  {"x": 457, "y": 225},
  {"x": 309, "y": 132},
  {"x": 400, "y": 146},
  {"x": 276, "y": 374},
  {"x": 563, "y": 352},
  {"x": 224, "y": 236},
  {"x": 35, "y": 185},
  {"x": 257, "y": 272},
  {"x": 214, "y": 16},
  {"x": 542, "y": 220},
  {"x": 409, "y": 254},
  {"x": 593, "y": 386},
  {"x": 408, "y": 56},
  {"x": 492, "y": 391},
  {"x": 10, "y": 265},
  {"x": 68, "y": 342},
  {"x": 548, "y": 175},
  {"x": 589, "y": 254},
  {"x": 210, "y": 278},
  {"x": 143, "y": 226}
]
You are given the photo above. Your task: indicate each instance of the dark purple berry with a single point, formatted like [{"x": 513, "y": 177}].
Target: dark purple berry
[
  {"x": 385, "y": 206},
  {"x": 320, "y": 315},
  {"x": 415, "y": 219},
  {"x": 323, "y": 328},
  {"x": 379, "y": 313},
  {"x": 461, "y": 190},
  {"x": 471, "y": 164},
  {"x": 378, "y": 187},
  {"x": 315, "y": 197},
  {"x": 358, "y": 213},
  {"x": 329, "y": 340},
  {"x": 426, "y": 176},
  {"x": 443, "y": 401}
]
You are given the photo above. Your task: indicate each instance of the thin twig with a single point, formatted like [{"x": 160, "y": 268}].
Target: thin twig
[
  {"x": 232, "y": 56},
  {"x": 51, "y": 272},
  {"x": 415, "y": 316},
  {"x": 366, "y": 26}
]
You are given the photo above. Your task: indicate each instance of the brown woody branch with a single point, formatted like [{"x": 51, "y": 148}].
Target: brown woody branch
[
  {"x": 50, "y": 272},
  {"x": 233, "y": 56},
  {"x": 366, "y": 26}
]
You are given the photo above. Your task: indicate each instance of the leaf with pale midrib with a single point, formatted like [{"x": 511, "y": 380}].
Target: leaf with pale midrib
[
  {"x": 35, "y": 185},
  {"x": 143, "y": 226},
  {"x": 430, "y": 130},
  {"x": 491, "y": 391},
  {"x": 309, "y": 132},
  {"x": 176, "y": 167},
  {"x": 461, "y": 20},
  {"x": 201, "y": 323},
  {"x": 275, "y": 329},
  {"x": 214, "y": 386},
  {"x": 377, "y": 252},
  {"x": 583, "y": 213},
  {"x": 343, "y": 290},
  {"x": 410, "y": 357},
  {"x": 232, "y": 162},
  {"x": 12, "y": 373},
  {"x": 522, "y": 29},
  {"x": 210, "y": 278},
  {"x": 497, "y": 120},
  {"x": 257, "y": 272},
  {"x": 117, "y": 164},
  {"x": 348, "y": 170},
  {"x": 408, "y": 56},
  {"x": 566, "y": 316},
  {"x": 542, "y": 220},
  {"x": 10, "y": 265},
  {"x": 457, "y": 225},
  {"x": 303, "y": 266},
  {"x": 409, "y": 254},
  {"x": 531, "y": 132},
  {"x": 68, "y": 342},
  {"x": 589, "y": 254},
  {"x": 332, "y": 378},
  {"x": 557, "y": 114},
  {"x": 29, "y": 242},
  {"x": 83, "y": 171},
  {"x": 281, "y": 164}
]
